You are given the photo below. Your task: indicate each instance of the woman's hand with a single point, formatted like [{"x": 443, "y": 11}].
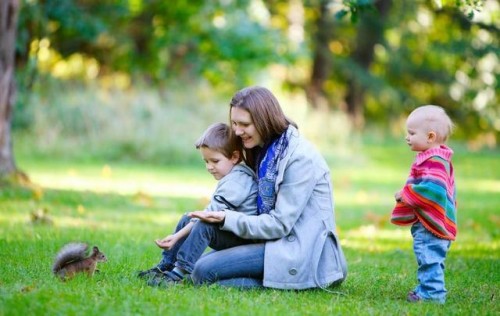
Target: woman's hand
[{"x": 209, "y": 217}]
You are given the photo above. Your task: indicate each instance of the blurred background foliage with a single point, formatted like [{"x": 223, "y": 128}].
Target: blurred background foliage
[{"x": 114, "y": 73}]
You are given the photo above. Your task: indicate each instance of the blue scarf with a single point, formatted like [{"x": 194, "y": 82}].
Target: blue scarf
[{"x": 268, "y": 171}]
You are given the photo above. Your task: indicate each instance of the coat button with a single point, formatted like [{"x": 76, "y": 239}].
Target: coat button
[
  {"x": 292, "y": 271},
  {"x": 290, "y": 238}
]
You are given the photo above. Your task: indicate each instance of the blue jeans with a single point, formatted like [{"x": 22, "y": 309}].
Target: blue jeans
[
  {"x": 169, "y": 256},
  {"x": 241, "y": 266},
  {"x": 187, "y": 251},
  {"x": 430, "y": 252}
]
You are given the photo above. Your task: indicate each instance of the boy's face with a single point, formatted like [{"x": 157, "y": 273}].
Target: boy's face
[
  {"x": 216, "y": 163},
  {"x": 418, "y": 136}
]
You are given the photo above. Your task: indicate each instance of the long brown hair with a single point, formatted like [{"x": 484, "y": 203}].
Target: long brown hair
[{"x": 266, "y": 114}]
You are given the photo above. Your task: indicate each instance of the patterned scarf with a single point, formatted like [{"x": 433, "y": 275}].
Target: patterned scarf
[{"x": 267, "y": 173}]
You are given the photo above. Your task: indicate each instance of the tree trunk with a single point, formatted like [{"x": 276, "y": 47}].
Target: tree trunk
[
  {"x": 322, "y": 62},
  {"x": 370, "y": 32},
  {"x": 8, "y": 22}
]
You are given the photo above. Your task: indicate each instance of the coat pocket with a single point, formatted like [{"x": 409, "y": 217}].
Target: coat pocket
[{"x": 330, "y": 264}]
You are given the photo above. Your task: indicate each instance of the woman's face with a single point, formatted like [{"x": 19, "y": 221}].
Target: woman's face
[{"x": 243, "y": 126}]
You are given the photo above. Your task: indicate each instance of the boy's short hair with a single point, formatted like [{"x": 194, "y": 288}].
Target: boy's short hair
[
  {"x": 218, "y": 137},
  {"x": 437, "y": 120}
]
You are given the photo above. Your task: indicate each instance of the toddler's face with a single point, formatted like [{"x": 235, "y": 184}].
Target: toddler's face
[
  {"x": 417, "y": 133},
  {"x": 216, "y": 163}
]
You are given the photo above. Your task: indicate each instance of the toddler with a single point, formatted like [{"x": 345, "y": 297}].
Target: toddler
[{"x": 427, "y": 201}]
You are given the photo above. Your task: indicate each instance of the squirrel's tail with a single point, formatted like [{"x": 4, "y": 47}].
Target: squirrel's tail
[{"x": 71, "y": 252}]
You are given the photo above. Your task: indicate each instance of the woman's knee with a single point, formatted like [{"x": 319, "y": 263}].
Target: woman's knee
[{"x": 203, "y": 272}]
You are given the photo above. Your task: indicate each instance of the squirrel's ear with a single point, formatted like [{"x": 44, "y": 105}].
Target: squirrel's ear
[{"x": 95, "y": 249}]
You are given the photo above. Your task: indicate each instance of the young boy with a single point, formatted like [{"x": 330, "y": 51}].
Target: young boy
[
  {"x": 427, "y": 201},
  {"x": 236, "y": 190}
]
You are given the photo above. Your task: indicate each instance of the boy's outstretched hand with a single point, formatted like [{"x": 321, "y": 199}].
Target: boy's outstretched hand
[
  {"x": 167, "y": 242},
  {"x": 209, "y": 217}
]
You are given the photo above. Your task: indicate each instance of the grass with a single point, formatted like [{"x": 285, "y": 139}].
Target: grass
[{"x": 122, "y": 207}]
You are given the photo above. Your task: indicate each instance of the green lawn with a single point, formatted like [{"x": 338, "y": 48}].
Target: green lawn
[{"x": 122, "y": 208}]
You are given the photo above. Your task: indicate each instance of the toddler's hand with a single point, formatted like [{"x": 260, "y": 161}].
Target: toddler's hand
[{"x": 398, "y": 196}]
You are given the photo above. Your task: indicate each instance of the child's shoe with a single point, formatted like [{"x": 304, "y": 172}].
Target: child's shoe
[
  {"x": 150, "y": 273},
  {"x": 165, "y": 279}
]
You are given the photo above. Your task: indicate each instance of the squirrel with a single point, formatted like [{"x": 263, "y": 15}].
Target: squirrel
[{"x": 72, "y": 259}]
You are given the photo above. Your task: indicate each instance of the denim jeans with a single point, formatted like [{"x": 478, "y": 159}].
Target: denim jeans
[
  {"x": 169, "y": 256},
  {"x": 241, "y": 266},
  {"x": 187, "y": 251},
  {"x": 430, "y": 252}
]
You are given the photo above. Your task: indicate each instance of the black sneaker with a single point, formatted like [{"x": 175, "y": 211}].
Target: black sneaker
[
  {"x": 150, "y": 273},
  {"x": 165, "y": 279}
]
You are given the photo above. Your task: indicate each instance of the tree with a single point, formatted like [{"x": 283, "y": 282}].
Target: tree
[
  {"x": 394, "y": 55},
  {"x": 8, "y": 21},
  {"x": 370, "y": 31},
  {"x": 322, "y": 60},
  {"x": 390, "y": 56}
]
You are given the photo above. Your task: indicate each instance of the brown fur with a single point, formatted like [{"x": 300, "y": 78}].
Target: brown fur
[{"x": 72, "y": 259}]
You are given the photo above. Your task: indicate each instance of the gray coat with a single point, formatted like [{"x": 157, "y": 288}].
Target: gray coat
[
  {"x": 236, "y": 191},
  {"x": 302, "y": 248}
]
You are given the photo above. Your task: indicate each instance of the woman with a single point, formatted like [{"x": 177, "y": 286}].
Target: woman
[{"x": 295, "y": 242}]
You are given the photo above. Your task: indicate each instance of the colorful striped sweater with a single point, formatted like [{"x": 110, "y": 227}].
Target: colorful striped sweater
[{"x": 429, "y": 194}]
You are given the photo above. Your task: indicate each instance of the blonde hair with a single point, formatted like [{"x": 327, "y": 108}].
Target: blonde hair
[{"x": 436, "y": 120}]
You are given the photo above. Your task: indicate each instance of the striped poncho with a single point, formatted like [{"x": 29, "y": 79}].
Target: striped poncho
[{"x": 429, "y": 194}]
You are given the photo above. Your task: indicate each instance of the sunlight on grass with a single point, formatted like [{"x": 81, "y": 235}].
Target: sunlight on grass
[
  {"x": 123, "y": 208},
  {"x": 151, "y": 186},
  {"x": 362, "y": 198},
  {"x": 13, "y": 219},
  {"x": 480, "y": 185},
  {"x": 19, "y": 227},
  {"x": 479, "y": 250},
  {"x": 372, "y": 232},
  {"x": 118, "y": 223},
  {"x": 373, "y": 239}
]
